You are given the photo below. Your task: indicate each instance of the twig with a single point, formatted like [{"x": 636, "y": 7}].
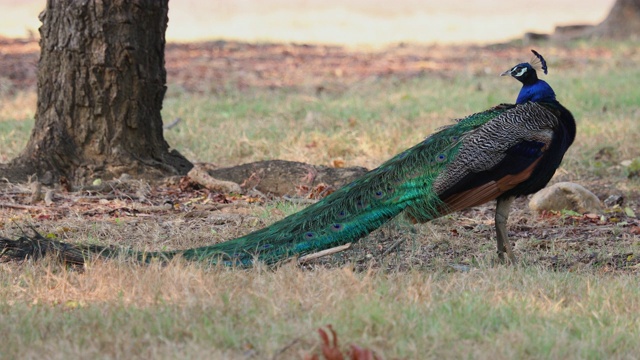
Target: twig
[
  {"x": 217, "y": 206},
  {"x": 172, "y": 124},
  {"x": 200, "y": 175},
  {"x": 398, "y": 242},
  {"x": 285, "y": 348},
  {"x": 393, "y": 246},
  {"x": 319, "y": 254},
  {"x": 299, "y": 201},
  {"x": 20, "y": 206}
]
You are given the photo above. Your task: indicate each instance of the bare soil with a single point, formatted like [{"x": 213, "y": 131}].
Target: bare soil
[{"x": 223, "y": 65}]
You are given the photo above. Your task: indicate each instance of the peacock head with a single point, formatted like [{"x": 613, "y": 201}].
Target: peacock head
[{"x": 533, "y": 89}]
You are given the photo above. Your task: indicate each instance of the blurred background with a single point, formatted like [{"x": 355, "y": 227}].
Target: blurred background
[{"x": 371, "y": 23}]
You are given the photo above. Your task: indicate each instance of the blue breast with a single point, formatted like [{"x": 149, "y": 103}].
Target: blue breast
[{"x": 539, "y": 91}]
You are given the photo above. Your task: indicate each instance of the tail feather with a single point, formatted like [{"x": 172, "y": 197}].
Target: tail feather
[
  {"x": 404, "y": 183},
  {"x": 506, "y": 151},
  {"x": 331, "y": 222},
  {"x": 37, "y": 247}
]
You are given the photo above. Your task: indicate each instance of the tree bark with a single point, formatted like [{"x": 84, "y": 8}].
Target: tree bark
[
  {"x": 101, "y": 83},
  {"x": 622, "y": 22}
]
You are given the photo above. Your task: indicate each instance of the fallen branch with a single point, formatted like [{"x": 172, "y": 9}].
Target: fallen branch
[
  {"x": 393, "y": 246},
  {"x": 319, "y": 254},
  {"x": 171, "y": 124},
  {"x": 20, "y": 206},
  {"x": 200, "y": 175}
]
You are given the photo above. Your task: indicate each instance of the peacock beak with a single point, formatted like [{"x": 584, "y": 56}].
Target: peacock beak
[{"x": 508, "y": 72}]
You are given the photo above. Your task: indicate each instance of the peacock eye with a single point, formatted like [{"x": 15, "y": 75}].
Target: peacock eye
[
  {"x": 441, "y": 158},
  {"x": 521, "y": 72}
]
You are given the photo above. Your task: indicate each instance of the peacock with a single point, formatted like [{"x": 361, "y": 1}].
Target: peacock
[{"x": 507, "y": 151}]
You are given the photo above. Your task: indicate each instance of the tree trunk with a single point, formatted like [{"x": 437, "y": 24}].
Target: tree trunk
[
  {"x": 622, "y": 22},
  {"x": 101, "y": 83}
]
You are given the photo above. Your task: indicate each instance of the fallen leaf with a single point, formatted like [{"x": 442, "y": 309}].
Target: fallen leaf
[
  {"x": 330, "y": 349},
  {"x": 629, "y": 211}
]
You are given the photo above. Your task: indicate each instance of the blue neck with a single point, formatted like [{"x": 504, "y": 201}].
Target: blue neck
[{"x": 539, "y": 91}]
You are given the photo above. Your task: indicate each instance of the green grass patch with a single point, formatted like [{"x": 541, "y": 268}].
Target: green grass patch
[
  {"x": 185, "y": 310},
  {"x": 412, "y": 305}
]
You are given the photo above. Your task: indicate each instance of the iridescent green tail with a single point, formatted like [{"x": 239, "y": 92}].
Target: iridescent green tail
[{"x": 405, "y": 183}]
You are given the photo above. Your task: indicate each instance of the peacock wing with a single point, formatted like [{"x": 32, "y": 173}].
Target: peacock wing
[{"x": 496, "y": 157}]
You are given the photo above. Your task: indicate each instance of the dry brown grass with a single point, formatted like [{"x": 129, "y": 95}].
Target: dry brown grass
[
  {"x": 118, "y": 310},
  {"x": 19, "y": 106},
  {"x": 438, "y": 295},
  {"x": 16, "y": 116}
]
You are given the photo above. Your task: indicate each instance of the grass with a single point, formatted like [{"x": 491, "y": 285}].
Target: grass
[
  {"x": 372, "y": 121},
  {"x": 410, "y": 305},
  {"x": 116, "y": 310},
  {"x": 16, "y": 120}
]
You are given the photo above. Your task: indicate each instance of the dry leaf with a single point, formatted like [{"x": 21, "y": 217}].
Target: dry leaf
[{"x": 338, "y": 163}]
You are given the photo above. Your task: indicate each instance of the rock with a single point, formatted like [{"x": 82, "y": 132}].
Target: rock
[
  {"x": 36, "y": 192},
  {"x": 48, "y": 197},
  {"x": 614, "y": 200},
  {"x": 565, "y": 196}
]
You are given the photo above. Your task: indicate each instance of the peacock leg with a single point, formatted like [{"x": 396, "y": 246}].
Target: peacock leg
[{"x": 502, "y": 215}]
